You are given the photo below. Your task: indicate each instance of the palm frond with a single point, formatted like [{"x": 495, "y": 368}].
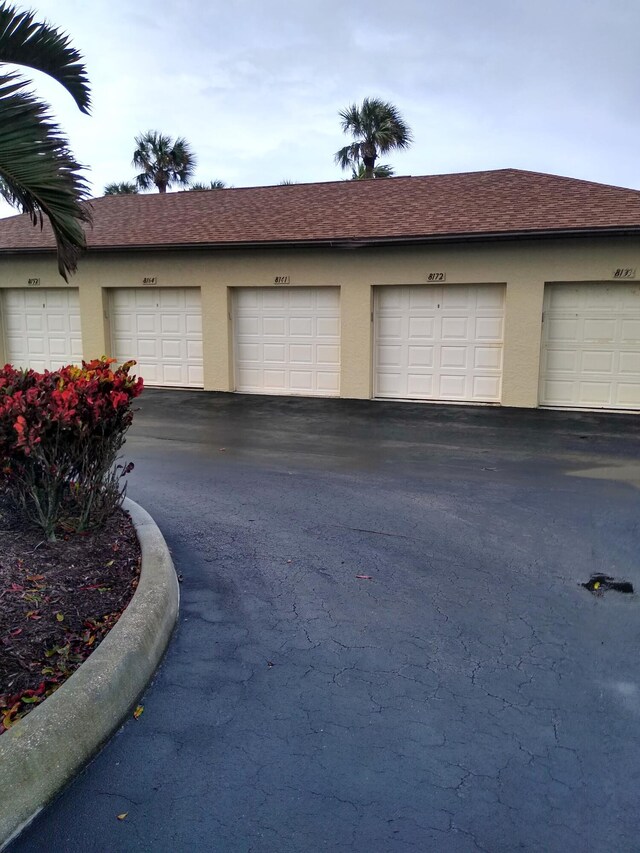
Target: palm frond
[
  {"x": 38, "y": 172},
  {"x": 348, "y": 156},
  {"x": 121, "y": 188},
  {"x": 381, "y": 170},
  {"x": 377, "y": 127},
  {"x": 163, "y": 161},
  {"x": 24, "y": 41}
]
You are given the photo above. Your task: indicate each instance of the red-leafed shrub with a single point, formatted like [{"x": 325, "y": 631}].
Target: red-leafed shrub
[{"x": 60, "y": 436}]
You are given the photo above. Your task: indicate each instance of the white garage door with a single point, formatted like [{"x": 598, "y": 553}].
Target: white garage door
[
  {"x": 161, "y": 328},
  {"x": 591, "y": 346},
  {"x": 287, "y": 340},
  {"x": 439, "y": 342},
  {"x": 42, "y": 328}
]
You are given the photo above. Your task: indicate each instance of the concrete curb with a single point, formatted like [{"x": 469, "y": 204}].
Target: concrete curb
[{"x": 42, "y": 753}]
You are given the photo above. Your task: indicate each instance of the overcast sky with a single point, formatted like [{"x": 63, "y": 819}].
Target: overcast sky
[{"x": 256, "y": 85}]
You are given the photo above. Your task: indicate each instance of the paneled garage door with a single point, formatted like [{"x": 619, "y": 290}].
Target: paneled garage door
[
  {"x": 287, "y": 340},
  {"x": 161, "y": 328},
  {"x": 591, "y": 346},
  {"x": 439, "y": 342},
  {"x": 41, "y": 328}
]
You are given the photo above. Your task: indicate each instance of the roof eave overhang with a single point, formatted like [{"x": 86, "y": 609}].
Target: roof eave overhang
[{"x": 353, "y": 242}]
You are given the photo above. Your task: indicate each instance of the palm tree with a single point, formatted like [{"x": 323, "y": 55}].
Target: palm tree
[
  {"x": 213, "y": 185},
  {"x": 38, "y": 173},
  {"x": 121, "y": 188},
  {"x": 163, "y": 161},
  {"x": 377, "y": 127},
  {"x": 382, "y": 170}
]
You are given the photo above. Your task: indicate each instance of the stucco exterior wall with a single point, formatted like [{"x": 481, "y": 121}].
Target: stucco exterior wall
[{"x": 523, "y": 267}]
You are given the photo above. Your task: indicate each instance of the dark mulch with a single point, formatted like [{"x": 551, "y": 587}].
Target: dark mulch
[{"x": 58, "y": 600}]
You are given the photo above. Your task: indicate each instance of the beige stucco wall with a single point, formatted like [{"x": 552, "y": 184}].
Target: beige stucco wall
[{"x": 523, "y": 268}]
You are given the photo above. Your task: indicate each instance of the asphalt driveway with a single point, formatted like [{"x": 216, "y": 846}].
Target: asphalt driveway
[{"x": 465, "y": 694}]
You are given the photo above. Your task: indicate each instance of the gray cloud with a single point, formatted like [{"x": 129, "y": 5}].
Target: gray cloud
[{"x": 256, "y": 86}]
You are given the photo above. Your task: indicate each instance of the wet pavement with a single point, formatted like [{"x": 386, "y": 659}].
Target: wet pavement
[{"x": 384, "y": 644}]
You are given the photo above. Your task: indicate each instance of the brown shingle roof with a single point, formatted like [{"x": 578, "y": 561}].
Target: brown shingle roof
[{"x": 472, "y": 204}]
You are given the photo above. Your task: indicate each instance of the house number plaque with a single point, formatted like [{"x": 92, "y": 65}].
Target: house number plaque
[
  {"x": 150, "y": 280},
  {"x": 33, "y": 282},
  {"x": 282, "y": 279},
  {"x": 624, "y": 272},
  {"x": 436, "y": 276}
]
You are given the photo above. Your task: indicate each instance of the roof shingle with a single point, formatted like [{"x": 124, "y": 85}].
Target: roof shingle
[{"x": 471, "y": 204}]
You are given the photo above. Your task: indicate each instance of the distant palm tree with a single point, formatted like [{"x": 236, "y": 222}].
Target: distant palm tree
[
  {"x": 382, "y": 170},
  {"x": 212, "y": 185},
  {"x": 164, "y": 161},
  {"x": 38, "y": 173},
  {"x": 287, "y": 182},
  {"x": 377, "y": 128},
  {"x": 121, "y": 188}
]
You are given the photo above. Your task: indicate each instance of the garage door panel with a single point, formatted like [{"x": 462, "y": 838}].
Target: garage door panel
[
  {"x": 630, "y": 331},
  {"x": 454, "y": 322},
  {"x": 598, "y": 362},
  {"x": 274, "y": 353},
  {"x": 418, "y": 356},
  {"x": 171, "y": 324},
  {"x": 630, "y": 363},
  {"x": 490, "y": 298},
  {"x": 599, "y": 330},
  {"x": 248, "y": 326},
  {"x": 275, "y": 380},
  {"x": 452, "y": 387},
  {"x": 328, "y": 354},
  {"x": 562, "y": 329},
  {"x": 301, "y": 354},
  {"x": 41, "y": 327},
  {"x": 453, "y": 357},
  {"x": 171, "y": 349},
  {"x": 301, "y": 327},
  {"x": 274, "y": 326},
  {"x": 596, "y": 393},
  {"x": 487, "y": 359},
  {"x": 454, "y": 328},
  {"x": 419, "y": 298},
  {"x": 419, "y": 385},
  {"x": 194, "y": 354},
  {"x": 486, "y": 386},
  {"x": 296, "y": 328},
  {"x": 160, "y": 328},
  {"x": 628, "y": 395},
  {"x": 328, "y": 327},
  {"x": 420, "y": 327},
  {"x": 58, "y": 347},
  {"x": 489, "y": 329},
  {"x": 562, "y": 360}
]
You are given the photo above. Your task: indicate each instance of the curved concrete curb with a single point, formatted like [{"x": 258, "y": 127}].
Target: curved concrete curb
[{"x": 45, "y": 750}]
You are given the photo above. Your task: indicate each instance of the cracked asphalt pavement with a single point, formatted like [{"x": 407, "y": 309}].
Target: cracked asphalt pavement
[{"x": 467, "y": 694}]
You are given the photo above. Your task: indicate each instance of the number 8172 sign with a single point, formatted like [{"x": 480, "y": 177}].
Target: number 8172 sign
[{"x": 436, "y": 276}]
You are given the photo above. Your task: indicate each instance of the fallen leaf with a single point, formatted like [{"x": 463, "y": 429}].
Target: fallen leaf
[
  {"x": 138, "y": 711},
  {"x": 123, "y": 815},
  {"x": 60, "y": 617},
  {"x": 364, "y": 577}
]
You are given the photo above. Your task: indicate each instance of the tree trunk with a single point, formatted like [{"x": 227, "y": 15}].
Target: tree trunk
[{"x": 369, "y": 157}]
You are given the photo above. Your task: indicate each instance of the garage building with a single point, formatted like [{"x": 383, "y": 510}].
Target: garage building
[{"x": 504, "y": 287}]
